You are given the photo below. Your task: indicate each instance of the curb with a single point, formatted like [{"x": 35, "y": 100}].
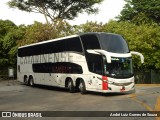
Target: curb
[{"x": 147, "y": 84}]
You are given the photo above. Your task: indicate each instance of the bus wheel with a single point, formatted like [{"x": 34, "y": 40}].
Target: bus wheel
[
  {"x": 31, "y": 81},
  {"x": 70, "y": 86},
  {"x": 82, "y": 87},
  {"x": 25, "y": 80}
]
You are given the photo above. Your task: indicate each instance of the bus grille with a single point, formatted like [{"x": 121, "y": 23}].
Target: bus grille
[{"x": 122, "y": 84}]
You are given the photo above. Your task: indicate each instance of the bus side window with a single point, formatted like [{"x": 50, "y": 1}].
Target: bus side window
[{"x": 90, "y": 42}]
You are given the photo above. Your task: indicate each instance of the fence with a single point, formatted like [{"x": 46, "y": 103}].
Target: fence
[
  {"x": 7, "y": 73},
  {"x": 147, "y": 77}
]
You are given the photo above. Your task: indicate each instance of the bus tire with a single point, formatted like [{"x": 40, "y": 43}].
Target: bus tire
[
  {"x": 70, "y": 86},
  {"x": 31, "y": 81},
  {"x": 82, "y": 87},
  {"x": 25, "y": 80}
]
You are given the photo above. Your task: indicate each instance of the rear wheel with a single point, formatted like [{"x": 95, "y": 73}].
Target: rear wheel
[
  {"x": 31, "y": 81},
  {"x": 70, "y": 86},
  {"x": 82, "y": 87},
  {"x": 25, "y": 80}
]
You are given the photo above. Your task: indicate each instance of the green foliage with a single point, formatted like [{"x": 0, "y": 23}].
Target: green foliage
[
  {"x": 9, "y": 34},
  {"x": 141, "y": 11},
  {"x": 56, "y": 9},
  {"x": 38, "y": 32},
  {"x": 91, "y": 27}
]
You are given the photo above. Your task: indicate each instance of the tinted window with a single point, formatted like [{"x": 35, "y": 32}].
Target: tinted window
[
  {"x": 90, "y": 41},
  {"x": 113, "y": 43},
  {"x": 95, "y": 64},
  {"x": 62, "y": 67},
  {"x": 71, "y": 44},
  {"x": 74, "y": 44}
]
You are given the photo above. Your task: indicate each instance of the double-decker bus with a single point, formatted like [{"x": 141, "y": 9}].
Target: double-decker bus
[{"x": 100, "y": 62}]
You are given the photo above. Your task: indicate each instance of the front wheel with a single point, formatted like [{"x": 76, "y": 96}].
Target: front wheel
[{"x": 82, "y": 87}]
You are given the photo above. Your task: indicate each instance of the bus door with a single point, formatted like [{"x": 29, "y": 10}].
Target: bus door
[
  {"x": 99, "y": 69},
  {"x": 95, "y": 65}
]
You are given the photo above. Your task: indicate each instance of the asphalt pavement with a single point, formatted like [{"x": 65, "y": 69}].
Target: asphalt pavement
[{"x": 15, "y": 96}]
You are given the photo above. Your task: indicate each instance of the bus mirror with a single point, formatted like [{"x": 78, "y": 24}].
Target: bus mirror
[
  {"x": 139, "y": 54},
  {"x": 105, "y": 53},
  {"x": 102, "y": 52},
  {"x": 92, "y": 52}
]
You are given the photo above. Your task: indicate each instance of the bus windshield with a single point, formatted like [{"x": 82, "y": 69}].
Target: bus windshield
[
  {"x": 119, "y": 68},
  {"x": 114, "y": 43}
]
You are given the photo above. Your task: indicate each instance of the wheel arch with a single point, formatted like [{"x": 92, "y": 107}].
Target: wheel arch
[
  {"x": 78, "y": 81},
  {"x": 31, "y": 80},
  {"x": 66, "y": 81},
  {"x": 25, "y": 76},
  {"x": 30, "y": 76}
]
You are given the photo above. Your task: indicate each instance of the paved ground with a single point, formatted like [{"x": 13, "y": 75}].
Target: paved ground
[{"x": 15, "y": 96}]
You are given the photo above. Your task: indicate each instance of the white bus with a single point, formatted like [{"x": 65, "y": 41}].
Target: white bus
[{"x": 100, "y": 62}]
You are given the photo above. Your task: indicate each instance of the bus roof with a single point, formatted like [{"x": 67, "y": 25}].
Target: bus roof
[
  {"x": 57, "y": 39},
  {"x": 62, "y": 38},
  {"x": 98, "y": 33}
]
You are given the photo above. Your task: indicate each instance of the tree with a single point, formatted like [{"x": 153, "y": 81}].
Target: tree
[
  {"x": 56, "y": 9},
  {"x": 39, "y": 32},
  {"x": 9, "y": 34},
  {"x": 141, "y": 11},
  {"x": 91, "y": 27}
]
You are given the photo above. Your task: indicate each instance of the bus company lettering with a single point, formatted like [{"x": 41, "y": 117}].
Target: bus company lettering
[{"x": 47, "y": 58}]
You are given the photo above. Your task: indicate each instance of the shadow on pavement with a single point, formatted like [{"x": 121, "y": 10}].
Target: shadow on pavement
[{"x": 58, "y": 89}]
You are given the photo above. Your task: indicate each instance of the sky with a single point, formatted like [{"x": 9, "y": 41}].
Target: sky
[{"x": 108, "y": 10}]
